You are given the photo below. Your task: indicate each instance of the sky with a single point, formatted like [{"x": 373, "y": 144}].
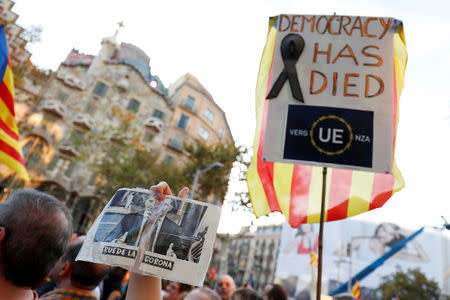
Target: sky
[{"x": 221, "y": 43}]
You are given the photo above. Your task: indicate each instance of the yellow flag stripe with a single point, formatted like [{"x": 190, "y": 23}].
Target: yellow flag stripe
[
  {"x": 282, "y": 181},
  {"x": 7, "y": 117},
  {"x": 360, "y": 192},
  {"x": 256, "y": 191},
  {"x": 8, "y": 79},
  {"x": 14, "y": 165},
  {"x": 10, "y": 141},
  {"x": 315, "y": 195}
]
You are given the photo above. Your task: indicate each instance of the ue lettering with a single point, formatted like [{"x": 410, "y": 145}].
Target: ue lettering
[{"x": 335, "y": 137}]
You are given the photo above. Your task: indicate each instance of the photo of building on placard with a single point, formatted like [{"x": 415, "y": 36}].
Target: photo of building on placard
[
  {"x": 126, "y": 198},
  {"x": 119, "y": 228},
  {"x": 180, "y": 232},
  {"x": 122, "y": 221},
  {"x": 169, "y": 238}
]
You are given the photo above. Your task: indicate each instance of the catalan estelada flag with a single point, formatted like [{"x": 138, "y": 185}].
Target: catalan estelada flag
[
  {"x": 356, "y": 291},
  {"x": 295, "y": 190},
  {"x": 10, "y": 150}
]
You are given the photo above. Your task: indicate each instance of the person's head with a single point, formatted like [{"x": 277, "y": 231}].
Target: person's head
[
  {"x": 202, "y": 293},
  {"x": 181, "y": 248},
  {"x": 388, "y": 234},
  {"x": 225, "y": 287},
  {"x": 35, "y": 229},
  {"x": 80, "y": 274},
  {"x": 266, "y": 291},
  {"x": 175, "y": 290},
  {"x": 245, "y": 294},
  {"x": 277, "y": 292}
]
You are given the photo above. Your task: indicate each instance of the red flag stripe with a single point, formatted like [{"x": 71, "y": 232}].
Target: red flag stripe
[
  {"x": 381, "y": 190},
  {"x": 341, "y": 181},
  {"x": 7, "y": 98},
  {"x": 298, "y": 209},
  {"x": 383, "y": 184},
  {"x": 265, "y": 169},
  {"x": 6, "y": 148},
  {"x": 8, "y": 131}
]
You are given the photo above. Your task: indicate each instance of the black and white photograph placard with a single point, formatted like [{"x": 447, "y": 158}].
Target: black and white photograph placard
[{"x": 171, "y": 239}]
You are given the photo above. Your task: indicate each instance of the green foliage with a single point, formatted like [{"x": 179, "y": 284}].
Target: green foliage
[
  {"x": 134, "y": 168},
  {"x": 215, "y": 181},
  {"x": 411, "y": 284}
]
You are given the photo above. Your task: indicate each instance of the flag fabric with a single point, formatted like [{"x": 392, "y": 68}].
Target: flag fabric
[
  {"x": 10, "y": 151},
  {"x": 395, "y": 296},
  {"x": 313, "y": 259},
  {"x": 295, "y": 190},
  {"x": 356, "y": 291}
]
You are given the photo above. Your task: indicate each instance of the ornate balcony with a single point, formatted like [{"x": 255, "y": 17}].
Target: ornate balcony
[
  {"x": 54, "y": 107},
  {"x": 70, "y": 81},
  {"x": 154, "y": 124},
  {"x": 68, "y": 150},
  {"x": 84, "y": 121}
]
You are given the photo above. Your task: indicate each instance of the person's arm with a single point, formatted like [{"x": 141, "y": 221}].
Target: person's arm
[{"x": 142, "y": 287}]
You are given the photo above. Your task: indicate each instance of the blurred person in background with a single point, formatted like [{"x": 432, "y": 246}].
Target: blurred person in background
[
  {"x": 245, "y": 294},
  {"x": 76, "y": 279},
  {"x": 225, "y": 287},
  {"x": 277, "y": 292},
  {"x": 176, "y": 290}
]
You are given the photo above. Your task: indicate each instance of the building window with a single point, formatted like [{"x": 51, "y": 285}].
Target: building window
[
  {"x": 148, "y": 137},
  {"x": 70, "y": 169},
  {"x": 100, "y": 89},
  {"x": 209, "y": 115},
  {"x": 183, "y": 122},
  {"x": 220, "y": 133},
  {"x": 133, "y": 105},
  {"x": 90, "y": 108},
  {"x": 158, "y": 114},
  {"x": 168, "y": 159},
  {"x": 177, "y": 142},
  {"x": 204, "y": 133},
  {"x": 93, "y": 179},
  {"x": 61, "y": 96},
  {"x": 189, "y": 103},
  {"x": 53, "y": 163}
]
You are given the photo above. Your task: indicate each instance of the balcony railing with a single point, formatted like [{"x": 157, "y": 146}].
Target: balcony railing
[
  {"x": 54, "y": 107},
  {"x": 154, "y": 124},
  {"x": 84, "y": 121}
]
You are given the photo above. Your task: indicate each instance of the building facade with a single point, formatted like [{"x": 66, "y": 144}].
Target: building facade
[
  {"x": 248, "y": 257},
  {"x": 196, "y": 118},
  {"x": 94, "y": 93},
  {"x": 16, "y": 43}
]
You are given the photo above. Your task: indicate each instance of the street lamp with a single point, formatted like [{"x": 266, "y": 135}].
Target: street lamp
[{"x": 197, "y": 175}]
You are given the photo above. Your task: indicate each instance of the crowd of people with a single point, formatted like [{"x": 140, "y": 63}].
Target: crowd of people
[{"x": 38, "y": 260}]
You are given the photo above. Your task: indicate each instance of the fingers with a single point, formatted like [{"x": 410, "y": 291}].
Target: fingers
[
  {"x": 162, "y": 190},
  {"x": 183, "y": 192}
]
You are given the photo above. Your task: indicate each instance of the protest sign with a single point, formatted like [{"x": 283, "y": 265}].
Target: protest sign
[
  {"x": 331, "y": 93},
  {"x": 171, "y": 239}
]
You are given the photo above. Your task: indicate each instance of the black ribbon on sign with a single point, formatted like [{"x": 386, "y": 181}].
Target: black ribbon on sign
[{"x": 291, "y": 49}]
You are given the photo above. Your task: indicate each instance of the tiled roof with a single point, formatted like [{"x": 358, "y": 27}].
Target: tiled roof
[{"x": 76, "y": 58}]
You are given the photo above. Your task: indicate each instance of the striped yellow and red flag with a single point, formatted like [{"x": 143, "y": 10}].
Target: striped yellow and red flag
[
  {"x": 313, "y": 259},
  {"x": 295, "y": 190},
  {"x": 10, "y": 151},
  {"x": 356, "y": 291}
]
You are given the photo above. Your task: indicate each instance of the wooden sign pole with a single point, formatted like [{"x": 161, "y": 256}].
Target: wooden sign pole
[{"x": 322, "y": 216}]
